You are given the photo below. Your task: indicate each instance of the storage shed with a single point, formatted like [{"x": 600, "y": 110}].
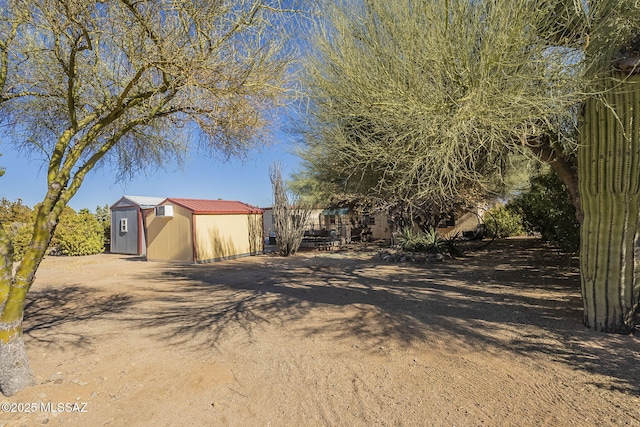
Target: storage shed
[
  {"x": 194, "y": 230},
  {"x": 127, "y": 224}
]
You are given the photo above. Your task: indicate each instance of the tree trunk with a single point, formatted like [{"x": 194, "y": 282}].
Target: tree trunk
[
  {"x": 564, "y": 169},
  {"x": 609, "y": 177},
  {"x": 15, "y": 372}
]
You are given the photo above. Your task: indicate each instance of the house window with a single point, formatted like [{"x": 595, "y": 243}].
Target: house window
[
  {"x": 332, "y": 219},
  {"x": 123, "y": 225}
]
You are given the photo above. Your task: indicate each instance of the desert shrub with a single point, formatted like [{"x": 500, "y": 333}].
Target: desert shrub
[
  {"x": 290, "y": 214},
  {"x": 430, "y": 241},
  {"x": 503, "y": 222},
  {"x": 78, "y": 234},
  {"x": 546, "y": 209},
  {"x": 14, "y": 212},
  {"x": 20, "y": 240},
  {"x": 17, "y": 222}
]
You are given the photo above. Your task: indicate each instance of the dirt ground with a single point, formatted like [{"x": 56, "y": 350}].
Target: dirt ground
[{"x": 323, "y": 338}]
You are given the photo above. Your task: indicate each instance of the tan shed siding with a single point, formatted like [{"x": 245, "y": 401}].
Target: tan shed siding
[
  {"x": 226, "y": 236},
  {"x": 170, "y": 239},
  {"x": 381, "y": 229},
  {"x": 315, "y": 219}
]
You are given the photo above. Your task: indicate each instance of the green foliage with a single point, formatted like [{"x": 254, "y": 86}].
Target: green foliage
[
  {"x": 103, "y": 215},
  {"x": 21, "y": 240},
  {"x": 503, "y": 222},
  {"x": 546, "y": 209},
  {"x": 84, "y": 83},
  {"x": 409, "y": 104},
  {"x": 410, "y": 240},
  {"x": 78, "y": 234},
  {"x": 430, "y": 241},
  {"x": 433, "y": 241},
  {"x": 17, "y": 221},
  {"x": 14, "y": 212}
]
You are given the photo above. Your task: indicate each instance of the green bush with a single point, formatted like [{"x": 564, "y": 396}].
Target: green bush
[
  {"x": 546, "y": 209},
  {"x": 17, "y": 222},
  {"x": 503, "y": 222},
  {"x": 20, "y": 240},
  {"x": 78, "y": 234}
]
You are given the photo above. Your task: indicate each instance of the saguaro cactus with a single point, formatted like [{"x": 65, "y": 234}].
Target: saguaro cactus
[{"x": 609, "y": 176}]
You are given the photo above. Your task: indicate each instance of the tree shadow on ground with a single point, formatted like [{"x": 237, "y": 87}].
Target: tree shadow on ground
[
  {"x": 48, "y": 309},
  {"x": 515, "y": 297}
]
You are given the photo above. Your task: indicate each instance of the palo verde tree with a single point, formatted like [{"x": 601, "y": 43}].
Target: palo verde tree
[
  {"x": 124, "y": 84},
  {"x": 430, "y": 99},
  {"x": 393, "y": 110}
]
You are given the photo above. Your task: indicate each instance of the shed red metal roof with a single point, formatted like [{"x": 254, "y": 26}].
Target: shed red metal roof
[{"x": 227, "y": 207}]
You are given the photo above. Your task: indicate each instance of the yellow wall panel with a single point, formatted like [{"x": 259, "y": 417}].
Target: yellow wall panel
[
  {"x": 226, "y": 236},
  {"x": 170, "y": 239}
]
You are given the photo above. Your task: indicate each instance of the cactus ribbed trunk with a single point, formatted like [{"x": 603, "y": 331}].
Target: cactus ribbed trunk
[{"x": 609, "y": 177}]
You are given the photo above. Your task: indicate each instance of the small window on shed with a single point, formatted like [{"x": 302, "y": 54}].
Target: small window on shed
[{"x": 123, "y": 225}]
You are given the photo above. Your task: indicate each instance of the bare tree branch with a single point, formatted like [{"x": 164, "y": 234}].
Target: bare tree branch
[{"x": 290, "y": 215}]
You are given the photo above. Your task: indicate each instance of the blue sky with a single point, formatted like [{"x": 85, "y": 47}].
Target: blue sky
[{"x": 246, "y": 180}]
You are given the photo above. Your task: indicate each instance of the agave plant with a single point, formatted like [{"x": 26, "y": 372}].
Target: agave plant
[
  {"x": 410, "y": 240},
  {"x": 429, "y": 240},
  {"x": 434, "y": 242}
]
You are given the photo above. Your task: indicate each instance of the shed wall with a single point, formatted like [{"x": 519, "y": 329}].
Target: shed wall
[
  {"x": 227, "y": 236},
  {"x": 381, "y": 229},
  {"x": 125, "y": 242},
  {"x": 170, "y": 239}
]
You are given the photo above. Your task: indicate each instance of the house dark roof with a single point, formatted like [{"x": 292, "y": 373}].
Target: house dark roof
[{"x": 223, "y": 207}]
